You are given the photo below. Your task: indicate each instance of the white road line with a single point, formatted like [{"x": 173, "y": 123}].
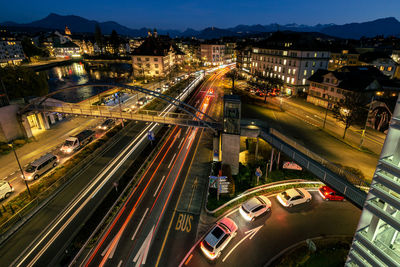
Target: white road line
[
  {"x": 120, "y": 263},
  {"x": 105, "y": 250},
  {"x": 141, "y": 256},
  {"x": 181, "y": 143},
  {"x": 187, "y": 130},
  {"x": 169, "y": 165},
  {"x": 162, "y": 179},
  {"x": 141, "y": 220}
]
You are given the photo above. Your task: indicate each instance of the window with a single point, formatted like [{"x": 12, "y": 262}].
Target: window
[
  {"x": 221, "y": 241},
  {"x": 156, "y": 66},
  {"x": 284, "y": 62},
  {"x": 288, "y": 80},
  {"x": 313, "y": 64},
  {"x": 381, "y": 68},
  {"x": 312, "y": 72},
  {"x": 315, "y": 54},
  {"x": 304, "y": 81},
  {"x": 389, "y": 69},
  {"x": 157, "y": 72},
  {"x": 320, "y": 64},
  {"x": 332, "y": 89},
  {"x": 257, "y": 209},
  {"x": 139, "y": 59},
  {"x": 327, "y": 80},
  {"x": 148, "y": 65},
  {"x": 305, "y": 72},
  {"x": 294, "y": 71},
  {"x": 292, "y": 81},
  {"x": 155, "y": 59},
  {"x": 280, "y": 68},
  {"x": 338, "y": 91},
  {"x": 289, "y": 70},
  {"x": 275, "y": 68},
  {"x": 147, "y": 59}
]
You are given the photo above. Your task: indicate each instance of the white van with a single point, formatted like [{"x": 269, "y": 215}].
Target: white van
[
  {"x": 5, "y": 189},
  {"x": 40, "y": 166}
]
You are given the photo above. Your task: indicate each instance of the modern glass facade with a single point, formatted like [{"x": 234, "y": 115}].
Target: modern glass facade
[{"x": 377, "y": 240}]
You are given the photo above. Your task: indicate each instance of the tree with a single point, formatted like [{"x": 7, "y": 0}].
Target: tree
[
  {"x": 115, "y": 42},
  {"x": 23, "y": 82},
  {"x": 32, "y": 50},
  {"x": 350, "y": 109},
  {"x": 233, "y": 75},
  {"x": 98, "y": 38}
]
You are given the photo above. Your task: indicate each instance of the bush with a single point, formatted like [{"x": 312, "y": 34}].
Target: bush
[{"x": 19, "y": 142}]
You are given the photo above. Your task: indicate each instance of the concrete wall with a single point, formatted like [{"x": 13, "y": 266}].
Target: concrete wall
[
  {"x": 10, "y": 128},
  {"x": 230, "y": 151}
]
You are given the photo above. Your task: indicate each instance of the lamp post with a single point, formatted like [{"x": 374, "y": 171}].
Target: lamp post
[
  {"x": 20, "y": 168},
  {"x": 366, "y": 121},
  {"x": 326, "y": 112}
]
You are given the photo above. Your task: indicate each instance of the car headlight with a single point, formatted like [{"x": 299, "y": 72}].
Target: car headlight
[{"x": 245, "y": 215}]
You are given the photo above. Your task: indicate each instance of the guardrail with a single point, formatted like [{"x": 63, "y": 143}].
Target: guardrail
[{"x": 339, "y": 179}]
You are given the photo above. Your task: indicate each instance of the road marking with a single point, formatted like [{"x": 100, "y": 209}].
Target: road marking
[
  {"x": 184, "y": 222},
  {"x": 120, "y": 263},
  {"x": 162, "y": 179},
  {"x": 188, "y": 260},
  {"x": 194, "y": 186},
  {"x": 180, "y": 143},
  {"x": 141, "y": 220},
  {"x": 251, "y": 233},
  {"x": 141, "y": 256},
  {"x": 187, "y": 130},
  {"x": 169, "y": 165}
]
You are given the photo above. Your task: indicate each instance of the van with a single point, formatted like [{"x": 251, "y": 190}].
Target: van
[
  {"x": 5, "y": 189},
  {"x": 40, "y": 166}
]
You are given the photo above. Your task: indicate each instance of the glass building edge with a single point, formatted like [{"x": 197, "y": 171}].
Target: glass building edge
[{"x": 374, "y": 230}]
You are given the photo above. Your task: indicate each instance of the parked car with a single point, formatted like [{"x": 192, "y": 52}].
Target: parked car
[
  {"x": 328, "y": 193},
  {"x": 40, "y": 166},
  {"x": 107, "y": 124},
  {"x": 218, "y": 238},
  {"x": 5, "y": 189},
  {"x": 78, "y": 141},
  {"x": 126, "y": 110},
  {"x": 294, "y": 196},
  {"x": 255, "y": 207},
  {"x": 141, "y": 101}
]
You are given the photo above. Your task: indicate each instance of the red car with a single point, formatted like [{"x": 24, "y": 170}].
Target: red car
[{"x": 328, "y": 193}]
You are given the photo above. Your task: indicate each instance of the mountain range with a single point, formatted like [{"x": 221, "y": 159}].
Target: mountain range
[{"x": 385, "y": 26}]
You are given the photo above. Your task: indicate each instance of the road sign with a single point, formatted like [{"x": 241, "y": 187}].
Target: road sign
[
  {"x": 258, "y": 172},
  {"x": 213, "y": 181},
  {"x": 150, "y": 136}
]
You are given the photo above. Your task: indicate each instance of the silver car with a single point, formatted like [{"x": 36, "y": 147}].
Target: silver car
[
  {"x": 255, "y": 207},
  {"x": 218, "y": 238},
  {"x": 294, "y": 196}
]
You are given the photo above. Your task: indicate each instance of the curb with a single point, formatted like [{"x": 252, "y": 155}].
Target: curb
[{"x": 267, "y": 186}]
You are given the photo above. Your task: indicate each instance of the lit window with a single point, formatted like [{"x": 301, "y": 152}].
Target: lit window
[
  {"x": 284, "y": 62},
  {"x": 389, "y": 68},
  {"x": 294, "y": 71},
  {"x": 292, "y": 80},
  {"x": 288, "y": 80},
  {"x": 289, "y": 70},
  {"x": 315, "y": 54},
  {"x": 312, "y": 72},
  {"x": 280, "y": 68},
  {"x": 304, "y": 81},
  {"x": 381, "y": 68},
  {"x": 275, "y": 68},
  {"x": 305, "y": 72}
]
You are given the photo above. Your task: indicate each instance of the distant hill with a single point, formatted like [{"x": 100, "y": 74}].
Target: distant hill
[{"x": 384, "y": 26}]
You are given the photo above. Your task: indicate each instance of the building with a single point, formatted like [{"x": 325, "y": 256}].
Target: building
[
  {"x": 387, "y": 66},
  {"x": 11, "y": 52},
  {"x": 288, "y": 57},
  {"x": 341, "y": 58},
  {"x": 377, "y": 241},
  {"x": 66, "y": 50},
  {"x": 230, "y": 53},
  {"x": 155, "y": 57},
  {"x": 243, "y": 59},
  {"x": 328, "y": 87},
  {"x": 212, "y": 54}
]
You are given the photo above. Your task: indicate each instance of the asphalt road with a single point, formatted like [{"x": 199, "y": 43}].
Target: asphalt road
[
  {"x": 129, "y": 239},
  {"x": 258, "y": 242}
]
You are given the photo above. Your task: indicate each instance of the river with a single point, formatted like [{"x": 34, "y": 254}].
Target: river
[{"x": 82, "y": 72}]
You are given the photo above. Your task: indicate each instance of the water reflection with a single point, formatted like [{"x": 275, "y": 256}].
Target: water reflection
[{"x": 81, "y": 73}]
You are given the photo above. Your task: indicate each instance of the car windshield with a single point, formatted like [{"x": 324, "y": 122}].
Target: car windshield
[
  {"x": 285, "y": 195},
  {"x": 30, "y": 169},
  {"x": 69, "y": 143},
  {"x": 244, "y": 209}
]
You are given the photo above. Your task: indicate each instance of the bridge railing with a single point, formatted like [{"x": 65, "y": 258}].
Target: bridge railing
[{"x": 339, "y": 179}]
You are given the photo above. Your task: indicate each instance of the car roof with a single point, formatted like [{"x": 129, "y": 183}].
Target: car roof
[
  {"x": 215, "y": 235},
  {"x": 42, "y": 159},
  {"x": 292, "y": 192},
  {"x": 251, "y": 203},
  {"x": 328, "y": 189}
]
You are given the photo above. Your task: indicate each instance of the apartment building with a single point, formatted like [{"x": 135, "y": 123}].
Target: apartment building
[
  {"x": 212, "y": 54},
  {"x": 155, "y": 57},
  {"x": 243, "y": 59},
  {"x": 288, "y": 59},
  {"x": 343, "y": 57},
  {"x": 11, "y": 52}
]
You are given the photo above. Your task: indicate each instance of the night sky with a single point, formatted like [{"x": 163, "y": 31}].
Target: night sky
[{"x": 181, "y": 14}]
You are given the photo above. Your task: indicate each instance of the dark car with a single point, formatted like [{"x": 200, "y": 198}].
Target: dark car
[{"x": 107, "y": 124}]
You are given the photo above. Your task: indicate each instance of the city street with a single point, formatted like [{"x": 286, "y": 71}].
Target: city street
[{"x": 260, "y": 241}]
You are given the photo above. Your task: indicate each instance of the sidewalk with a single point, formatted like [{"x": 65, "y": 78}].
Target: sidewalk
[{"x": 44, "y": 142}]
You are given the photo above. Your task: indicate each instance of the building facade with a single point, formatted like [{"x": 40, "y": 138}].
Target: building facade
[
  {"x": 377, "y": 240},
  {"x": 341, "y": 58},
  {"x": 155, "y": 57},
  {"x": 212, "y": 54},
  {"x": 387, "y": 66},
  {"x": 11, "y": 52},
  {"x": 243, "y": 60},
  {"x": 293, "y": 66}
]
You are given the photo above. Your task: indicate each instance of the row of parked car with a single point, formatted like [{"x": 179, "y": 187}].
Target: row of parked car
[
  {"x": 47, "y": 162},
  {"x": 226, "y": 229}
]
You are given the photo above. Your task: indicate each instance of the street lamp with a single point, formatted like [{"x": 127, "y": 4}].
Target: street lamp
[
  {"x": 20, "y": 168},
  {"x": 326, "y": 111},
  {"x": 366, "y": 121}
]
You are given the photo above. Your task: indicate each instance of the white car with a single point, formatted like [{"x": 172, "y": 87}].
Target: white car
[
  {"x": 255, "y": 207},
  {"x": 294, "y": 196}
]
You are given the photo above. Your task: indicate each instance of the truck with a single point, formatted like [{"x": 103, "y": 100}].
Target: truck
[{"x": 74, "y": 143}]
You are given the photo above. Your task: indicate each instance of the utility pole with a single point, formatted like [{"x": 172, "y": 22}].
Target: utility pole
[
  {"x": 20, "y": 168},
  {"x": 326, "y": 111}
]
